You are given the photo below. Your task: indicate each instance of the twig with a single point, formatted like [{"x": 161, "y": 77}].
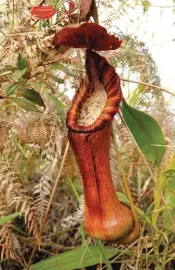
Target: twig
[
  {"x": 150, "y": 85},
  {"x": 156, "y": 6},
  {"x": 13, "y": 14},
  {"x": 143, "y": 83},
  {"x": 94, "y": 11},
  {"x": 124, "y": 251},
  {"x": 25, "y": 33},
  {"x": 162, "y": 6},
  {"x": 134, "y": 234},
  {"x": 48, "y": 62},
  {"x": 42, "y": 2},
  {"x": 49, "y": 203}
]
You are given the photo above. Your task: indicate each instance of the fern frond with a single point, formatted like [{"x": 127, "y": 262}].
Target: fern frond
[
  {"x": 128, "y": 144},
  {"x": 42, "y": 190},
  {"x": 77, "y": 217},
  {"x": 9, "y": 243},
  {"x": 15, "y": 196},
  {"x": 168, "y": 153}
]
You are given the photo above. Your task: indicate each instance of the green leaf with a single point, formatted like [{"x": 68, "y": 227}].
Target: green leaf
[
  {"x": 25, "y": 104},
  {"x": 122, "y": 197},
  {"x": 146, "y": 132},
  {"x": 21, "y": 62},
  {"x": 136, "y": 95},
  {"x": 18, "y": 74},
  {"x": 169, "y": 194},
  {"x": 170, "y": 173},
  {"x": 32, "y": 95},
  {"x": 11, "y": 88},
  {"x": 3, "y": 220},
  {"x": 56, "y": 79},
  {"x": 60, "y": 108},
  {"x": 78, "y": 258},
  {"x": 62, "y": 68}
]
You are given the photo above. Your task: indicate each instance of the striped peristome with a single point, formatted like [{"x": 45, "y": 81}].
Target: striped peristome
[{"x": 97, "y": 68}]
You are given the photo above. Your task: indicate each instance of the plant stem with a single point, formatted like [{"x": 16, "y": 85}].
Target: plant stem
[
  {"x": 154, "y": 6},
  {"x": 128, "y": 192},
  {"x": 94, "y": 11},
  {"x": 13, "y": 14},
  {"x": 107, "y": 262},
  {"x": 74, "y": 190},
  {"x": 165, "y": 255}
]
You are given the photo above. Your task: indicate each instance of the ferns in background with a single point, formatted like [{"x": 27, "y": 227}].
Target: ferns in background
[
  {"x": 33, "y": 138},
  {"x": 14, "y": 197}
]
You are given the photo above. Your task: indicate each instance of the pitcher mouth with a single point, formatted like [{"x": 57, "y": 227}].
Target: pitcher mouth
[{"x": 97, "y": 68}]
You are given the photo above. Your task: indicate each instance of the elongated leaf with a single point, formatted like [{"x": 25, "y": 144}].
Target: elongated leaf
[
  {"x": 122, "y": 197},
  {"x": 77, "y": 258},
  {"x": 62, "y": 68},
  {"x": 32, "y": 95},
  {"x": 21, "y": 62},
  {"x": 170, "y": 173},
  {"x": 3, "y": 220},
  {"x": 12, "y": 88},
  {"x": 146, "y": 132},
  {"x": 25, "y": 104},
  {"x": 60, "y": 108},
  {"x": 169, "y": 194},
  {"x": 56, "y": 79},
  {"x": 136, "y": 95},
  {"x": 18, "y": 74}
]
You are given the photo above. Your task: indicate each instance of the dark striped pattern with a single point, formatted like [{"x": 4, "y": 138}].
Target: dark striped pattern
[{"x": 106, "y": 74}]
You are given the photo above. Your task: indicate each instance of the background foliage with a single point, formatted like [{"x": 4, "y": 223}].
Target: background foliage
[{"x": 36, "y": 83}]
